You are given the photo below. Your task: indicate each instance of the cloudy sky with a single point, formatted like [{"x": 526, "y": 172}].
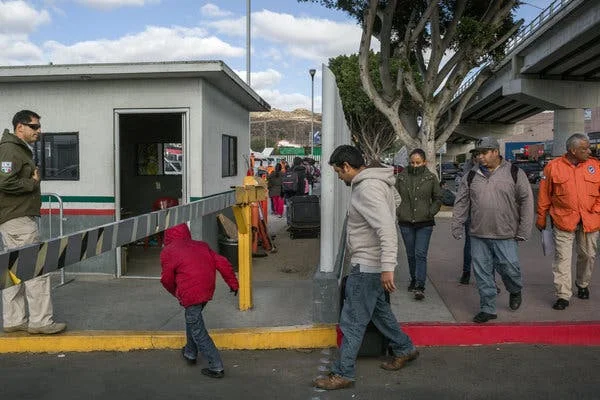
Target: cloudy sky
[{"x": 288, "y": 38}]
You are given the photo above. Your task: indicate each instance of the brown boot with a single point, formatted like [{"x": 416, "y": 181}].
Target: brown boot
[
  {"x": 333, "y": 382},
  {"x": 399, "y": 362}
]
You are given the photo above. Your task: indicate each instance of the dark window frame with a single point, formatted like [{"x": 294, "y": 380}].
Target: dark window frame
[
  {"x": 41, "y": 158},
  {"x": 229, "y": 164}
]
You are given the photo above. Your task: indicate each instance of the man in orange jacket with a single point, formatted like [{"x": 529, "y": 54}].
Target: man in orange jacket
[{"x": 570, "y": 192}]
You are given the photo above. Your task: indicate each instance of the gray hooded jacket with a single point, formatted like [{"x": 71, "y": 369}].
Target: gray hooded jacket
[{"x": 372, "y": 237}]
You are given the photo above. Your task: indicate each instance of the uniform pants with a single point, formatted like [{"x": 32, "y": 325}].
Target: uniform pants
[
  {"x": 19, "y": 232},
  {"x": 561, "y": 267}
]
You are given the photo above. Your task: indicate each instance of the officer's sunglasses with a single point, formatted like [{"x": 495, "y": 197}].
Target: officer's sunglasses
[{"x": 35, "y": 127}]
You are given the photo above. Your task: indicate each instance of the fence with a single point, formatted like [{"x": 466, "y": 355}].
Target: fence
[{"x": 56, "y": 253}]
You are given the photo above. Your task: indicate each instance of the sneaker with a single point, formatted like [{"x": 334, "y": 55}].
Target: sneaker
[
  {"x": 465, "y": 278},
  {"x": 484, "y": 317},
  {"x": 333, "y": 382},
  {"x": 399, "y": 362},
  {"x": 190, "y": 361},
  {"x": 583, "y": 292},
  {"x": 16, "y": 328},
  {"x": 212, "y": 373},
  {"x": 412, "y": 286},
  {"x": 561, "y": 304},
  {"x": 419, "y": 293},
  {"x": 55, "y": 327},
  {"x": 514, "y": 301}
]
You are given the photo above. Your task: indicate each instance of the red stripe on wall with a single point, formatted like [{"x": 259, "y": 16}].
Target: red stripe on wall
[{"x": 79, "y": 211}]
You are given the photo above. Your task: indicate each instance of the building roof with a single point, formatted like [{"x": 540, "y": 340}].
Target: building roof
[{"x": 216, "y": 73}]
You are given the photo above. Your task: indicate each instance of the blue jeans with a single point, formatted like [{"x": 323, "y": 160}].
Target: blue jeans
[
  {"x": 365, "y": 301},
  {"x": 467, "y": 249},
  {"x": 498, "y": 255},
  {"x": 198, "y": 339},
  {"x": 416, "y": 241}
]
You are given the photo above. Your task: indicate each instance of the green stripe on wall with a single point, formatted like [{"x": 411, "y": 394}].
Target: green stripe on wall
[{"x": 82, "y": 199}]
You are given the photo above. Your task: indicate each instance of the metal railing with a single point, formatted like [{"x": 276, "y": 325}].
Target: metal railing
[
  {"x": 523, "y": 34},
  {"x": 63, "y": 280}
]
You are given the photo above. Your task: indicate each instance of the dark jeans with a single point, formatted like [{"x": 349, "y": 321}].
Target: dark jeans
[
  {"x": 416, "y": 241},
  {"x": 198, "y": 339},
  {"x": 364, "y": 301},
  {"x": 467, "y": 249}
]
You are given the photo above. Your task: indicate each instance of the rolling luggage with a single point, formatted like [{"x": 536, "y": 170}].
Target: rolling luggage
[
  {"x": 304, "y": 216},
  {"x": 374, "y": 344}
]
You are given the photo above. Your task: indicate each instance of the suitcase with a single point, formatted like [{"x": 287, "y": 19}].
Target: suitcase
[
  {"x": 374, "y": 344},
  {"x": 304, "y": 216}
]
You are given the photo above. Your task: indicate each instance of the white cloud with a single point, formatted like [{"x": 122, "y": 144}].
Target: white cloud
[
  {"x": 213, "y": 11},
  {"x": 109, "y": 4},
  {"x": 18, "y": 50},
  {"x": 308, "y": 38},
  {"x": 288, "y": 101},
  {"x": 262, "y": 79},
  {"x": 153, "y": 44},
  {"x": 19, "y": 17}
]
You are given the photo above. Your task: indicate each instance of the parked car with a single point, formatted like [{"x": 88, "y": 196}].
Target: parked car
[
  {"x": 533, "y": 169},
  {"x": 449, "y": 170}
]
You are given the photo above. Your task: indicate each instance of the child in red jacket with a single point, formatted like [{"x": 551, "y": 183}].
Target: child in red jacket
[{"x": 188, "y": 273}]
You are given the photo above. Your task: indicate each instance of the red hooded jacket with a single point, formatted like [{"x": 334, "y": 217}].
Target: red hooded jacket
[{"x": 188, "y": 267}]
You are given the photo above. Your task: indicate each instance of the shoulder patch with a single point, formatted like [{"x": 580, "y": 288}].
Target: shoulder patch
[
  {"x": 591, "y": 169},
  {"x": 6, "y": 167}
]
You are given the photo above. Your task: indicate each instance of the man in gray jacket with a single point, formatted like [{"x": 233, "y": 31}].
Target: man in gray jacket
[
  {"x": 498, "y": 198},
  {"x": 372, "y": 242}
]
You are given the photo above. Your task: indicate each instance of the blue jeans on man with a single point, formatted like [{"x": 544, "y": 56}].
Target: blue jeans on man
[
  {"x": 365, "y": 301},
  {"x": 416, "y": 242},
  {"x": 498, "y": 255},
  {"x": 198, "y": 339}
]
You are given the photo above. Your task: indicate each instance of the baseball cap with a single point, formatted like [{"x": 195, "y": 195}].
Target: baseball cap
[{"x": 487, "y": 143}]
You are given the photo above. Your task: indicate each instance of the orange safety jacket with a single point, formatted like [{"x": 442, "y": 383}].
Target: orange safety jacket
[{"x": 571, "y": 193}]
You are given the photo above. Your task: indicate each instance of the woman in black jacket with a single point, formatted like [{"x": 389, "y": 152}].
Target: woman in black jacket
[{"x": 419, "y": 189}]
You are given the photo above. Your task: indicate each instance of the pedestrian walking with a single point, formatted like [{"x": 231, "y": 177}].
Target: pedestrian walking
[
  {"x": 497, "y": 198},
  {"x": 275, "y": 190},
  {"x": 570, "y": 194},
  {"x": 421, "y": 197},
  {"x": 20, "y": 202},
  {"x": 188, "y": 273},
  {"x": 373, "y": 243}
]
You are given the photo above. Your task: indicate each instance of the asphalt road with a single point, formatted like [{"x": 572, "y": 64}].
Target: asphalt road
[{"x": 496, "y": 372}]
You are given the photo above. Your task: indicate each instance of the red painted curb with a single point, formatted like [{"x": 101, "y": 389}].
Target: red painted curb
[{"x": 583, "y": 333}]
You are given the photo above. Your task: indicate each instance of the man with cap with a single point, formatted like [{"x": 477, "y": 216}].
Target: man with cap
[
  {"x": 497, "y": 198},
  {"x": 570, "y": 193}
]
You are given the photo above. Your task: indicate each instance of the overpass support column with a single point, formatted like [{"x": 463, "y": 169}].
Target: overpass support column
[{"x": 566, "y": 123}]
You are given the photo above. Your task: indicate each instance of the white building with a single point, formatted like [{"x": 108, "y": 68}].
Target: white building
[{"x": 119, "y": 136}]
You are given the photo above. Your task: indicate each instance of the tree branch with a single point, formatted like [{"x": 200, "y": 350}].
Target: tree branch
[{"x": 387, "y": 17}]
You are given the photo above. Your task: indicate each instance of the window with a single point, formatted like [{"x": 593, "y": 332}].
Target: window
[
  {"x": 228, "y": 156},
  {"x": 57, "y": 155},
  {"x": 159, "y": 159}
]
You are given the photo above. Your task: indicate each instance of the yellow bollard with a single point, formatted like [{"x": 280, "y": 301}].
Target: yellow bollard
[
  {"x": 242, "y": 219},
  {"x": 251, "y": 192}
]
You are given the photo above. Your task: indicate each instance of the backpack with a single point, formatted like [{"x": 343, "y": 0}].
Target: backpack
[
  {"x": 514, "y": 171},
  {"x": 289, "y": 181}
]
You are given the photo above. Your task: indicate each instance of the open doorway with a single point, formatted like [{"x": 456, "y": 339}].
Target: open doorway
[{"x": 150, "y": 174}]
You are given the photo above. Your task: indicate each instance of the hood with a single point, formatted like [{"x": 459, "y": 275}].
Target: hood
[
  {"x": 383, "y": 174},
  {"x": 178, "y": 232},
  {"x": 8, "y": 137}
]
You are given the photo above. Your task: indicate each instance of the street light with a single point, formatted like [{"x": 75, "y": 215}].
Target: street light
[{"x": 312, "y": 72}]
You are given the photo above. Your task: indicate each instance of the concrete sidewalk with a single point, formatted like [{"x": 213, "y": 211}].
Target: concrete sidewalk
[{"x": 104, "y": 313}]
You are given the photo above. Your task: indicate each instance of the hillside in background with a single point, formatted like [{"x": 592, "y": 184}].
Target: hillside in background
[{"x": 268, "y": 128}]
